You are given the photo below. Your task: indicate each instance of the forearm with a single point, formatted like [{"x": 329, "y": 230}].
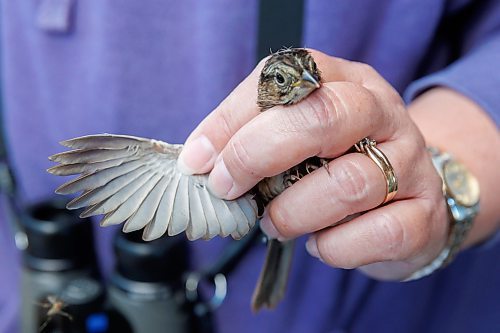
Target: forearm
[{"x": 454, "y": 123}]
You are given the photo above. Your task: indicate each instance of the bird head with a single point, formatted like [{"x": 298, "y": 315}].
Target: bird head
[{"x": 288, "y": 77}]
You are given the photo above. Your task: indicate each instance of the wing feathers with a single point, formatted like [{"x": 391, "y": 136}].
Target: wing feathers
[
  {"x": 136, "y": 181},
  {"x": 240, "y": 218},
  {"x": 213, "y": 224},
  {"x": 197, "y": 227},
  {"x": 249, "y": 208},
  {"x": 226, "y": 220},
  {"x": 102, "y": 193},
  {"x": 92, "y": 156},
  {"x": 76, "y": 168},
  {"x": 119, "y": 197},
  {"x": 180, "y": 214},
  {"x": 148, "y": 207},
  {"x": 163, "y": 216},
  {"x": 129, "y": 207},
  {"x": 99, "y": 141},
  {"x": 98, "y": 179}
]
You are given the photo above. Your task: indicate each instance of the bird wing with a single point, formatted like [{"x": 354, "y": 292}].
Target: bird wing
[{"x": 136, "y": 181}]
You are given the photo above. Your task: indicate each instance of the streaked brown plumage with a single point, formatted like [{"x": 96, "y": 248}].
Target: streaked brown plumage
[
  {"x": 288, "y": 77},
  {"x": 136, "y": 181}
]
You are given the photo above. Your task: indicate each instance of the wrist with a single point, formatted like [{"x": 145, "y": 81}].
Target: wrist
[
  {"x": 461, "y": 193},
  {"x": 457, "y": 125}
]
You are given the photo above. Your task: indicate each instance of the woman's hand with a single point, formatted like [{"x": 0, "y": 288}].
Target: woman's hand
[{"x": 240, "y": 146}]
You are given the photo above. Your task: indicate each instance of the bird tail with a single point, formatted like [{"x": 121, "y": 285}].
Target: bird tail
[{"x": 273, "y": 279}]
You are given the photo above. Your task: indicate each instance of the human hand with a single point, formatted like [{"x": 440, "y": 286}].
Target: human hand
[{"x": 242, "y": 146}]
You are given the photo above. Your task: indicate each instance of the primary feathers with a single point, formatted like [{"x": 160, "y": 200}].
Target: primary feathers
[{"x": 136, "y": 181}]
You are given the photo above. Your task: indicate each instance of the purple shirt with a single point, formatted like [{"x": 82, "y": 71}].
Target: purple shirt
[{"x": 157, "y": 68}]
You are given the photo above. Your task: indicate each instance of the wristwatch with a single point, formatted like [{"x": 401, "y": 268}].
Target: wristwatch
[{"x": 461, "y": 191}]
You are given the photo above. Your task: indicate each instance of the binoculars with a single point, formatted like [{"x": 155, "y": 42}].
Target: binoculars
[{"x": 63, "y": 291}]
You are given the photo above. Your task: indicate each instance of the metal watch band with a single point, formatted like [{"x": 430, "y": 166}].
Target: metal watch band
[{"x": 461, "y": 219}]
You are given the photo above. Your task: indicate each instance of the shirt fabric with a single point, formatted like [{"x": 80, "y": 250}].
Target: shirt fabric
[{"x": 157, "y": 68}]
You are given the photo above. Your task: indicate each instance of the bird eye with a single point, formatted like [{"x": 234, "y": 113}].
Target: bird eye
[{"x": 279, "y": 78}]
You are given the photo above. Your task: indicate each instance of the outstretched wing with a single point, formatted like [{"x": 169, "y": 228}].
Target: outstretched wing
[{"x": 136, "y": 181}]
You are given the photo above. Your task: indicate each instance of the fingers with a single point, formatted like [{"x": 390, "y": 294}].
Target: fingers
[
  {"x": 338, "y": 69},
  {"x": 326, "y": 124},
  {"x": 400, "y": 231},
  {"x": 350, "y": 184},
  {"x": 212, "y": 134},
  {"x": 243, "y": 146}
]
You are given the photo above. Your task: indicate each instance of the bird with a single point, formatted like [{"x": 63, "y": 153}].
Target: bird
[{"x": 136, "y": 181}]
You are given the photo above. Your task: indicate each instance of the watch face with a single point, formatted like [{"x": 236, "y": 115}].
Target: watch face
[{"x": 460, "y": 183}]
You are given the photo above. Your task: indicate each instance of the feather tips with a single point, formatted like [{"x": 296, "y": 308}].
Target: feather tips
[{"x": 136, "y": 181}]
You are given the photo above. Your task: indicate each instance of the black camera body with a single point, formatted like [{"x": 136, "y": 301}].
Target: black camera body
[
  {"x": 59, "y": 270},
  {"x": 62, "y": 290},
  {"x": 147, "y": 287}
]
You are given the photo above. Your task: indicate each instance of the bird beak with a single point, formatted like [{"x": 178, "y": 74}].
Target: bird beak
[{"x": 309, "y": 79}]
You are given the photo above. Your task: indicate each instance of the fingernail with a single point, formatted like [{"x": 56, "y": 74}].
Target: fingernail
[
  {"x": 220, "y": 182},
  {"x": 267, "y": 227},
  {"x": 197, "y": 156},
  {"x": 312, "y": 247}
]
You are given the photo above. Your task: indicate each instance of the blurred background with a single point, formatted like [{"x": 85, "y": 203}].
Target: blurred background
[
  {"x": 156, "y": 69},
  {"x": 72, "y": 68}
]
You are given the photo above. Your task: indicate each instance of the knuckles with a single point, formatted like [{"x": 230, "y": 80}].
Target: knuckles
[
  {"x": 390, "y": 235},
  {"x": 352, "y": 181},
  {"x": 226, "y": 122},
  {"x": 366, "y": 70},
  {"x": 339, "y": 105},
  {"x": 282, "y": 220},
  {"x": 390, "y": 240},
  {"x": 403, "y": 240},
  {"x": 315, "y": 119},
  {"x": 322, "y": 110},
  {"x": 331, "y": 255},
  {"x": 238, "y": 158}
]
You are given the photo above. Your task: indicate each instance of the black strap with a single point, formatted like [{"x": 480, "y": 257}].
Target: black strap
[
  {"x": 233, "y": 254},
  {"x": 280, "y": 25}
]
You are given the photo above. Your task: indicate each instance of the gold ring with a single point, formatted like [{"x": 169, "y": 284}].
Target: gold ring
[{"x": 368, "y": 147}]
